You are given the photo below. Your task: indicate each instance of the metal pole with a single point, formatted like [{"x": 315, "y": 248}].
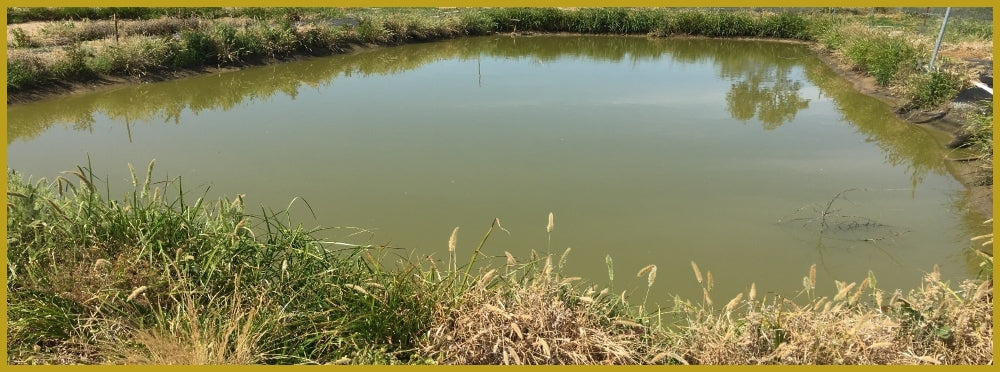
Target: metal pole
[{"x": 937, "y": 45}]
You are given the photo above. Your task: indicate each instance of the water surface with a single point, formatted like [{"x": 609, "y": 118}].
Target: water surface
[{"x": 652, "y": 151}]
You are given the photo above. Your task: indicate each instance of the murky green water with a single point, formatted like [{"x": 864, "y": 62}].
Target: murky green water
[{"x": 652, "y": 151}]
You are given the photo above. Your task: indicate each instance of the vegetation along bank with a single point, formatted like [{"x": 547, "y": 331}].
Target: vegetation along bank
[{"x": 150, "y": 279}]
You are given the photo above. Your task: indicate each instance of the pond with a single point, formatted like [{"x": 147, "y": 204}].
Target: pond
[{"x": 751, "y": 158}]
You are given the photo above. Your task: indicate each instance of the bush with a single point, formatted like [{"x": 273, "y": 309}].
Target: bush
[
  {"x": 478, "y": 23},
  {"x": 74, "y": 65},
  {"x": 880, "y": 55},
  {"x": 24, "y": 72},
  {"x": 784, "y": 25},
  {"x": 193, "y": 49},
  {"x": 691, "y": 23},
  {"x": 932, "y": 89},
  {"x": 225, "y": 44},
  {"x": 20, "y": 39},
  {"x": 136, "y": 57}
]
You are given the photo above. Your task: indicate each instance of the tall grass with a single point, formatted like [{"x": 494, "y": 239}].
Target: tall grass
[
  {"x": 979, "y": 128},
  {"x": 933, "y": 88},
  {"x": 878, "y": 53},
  {"x": 151, "y": 262}
]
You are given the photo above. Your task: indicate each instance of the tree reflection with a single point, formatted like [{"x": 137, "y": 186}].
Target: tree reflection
[
  {"x": 901, "y": 143},
  {"x": 767, "y": 94}
]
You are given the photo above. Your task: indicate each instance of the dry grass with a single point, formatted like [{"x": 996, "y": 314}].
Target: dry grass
[
  {"x": 931, "y": 325},
  {"x": 49, "y": 34},
  {"x": 231, "y": 332},
  {"x": 535, "y": 321}
]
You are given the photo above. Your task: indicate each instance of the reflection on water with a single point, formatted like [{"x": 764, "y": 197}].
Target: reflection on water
[
  {"x": 758, "y": 72},
  {"x": 654, "y": 150}
]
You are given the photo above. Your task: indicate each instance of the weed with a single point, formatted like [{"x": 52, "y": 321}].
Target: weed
[
  {"x": 193, "y": 49},
  {"x": 934, "y": 88},
  {"x": 132, "y": 57},
  {"x": 73, "y": 66},
  {"x": 880, "y": 54},
  {"x": 20, "y": 39},
  {"x": 25, "y": 71}
]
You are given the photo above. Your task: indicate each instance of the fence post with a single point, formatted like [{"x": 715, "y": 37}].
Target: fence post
[{"x": 937, "y": 45}]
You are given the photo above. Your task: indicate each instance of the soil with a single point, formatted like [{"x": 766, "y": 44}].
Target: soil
[{"x": 947, "y": 120}]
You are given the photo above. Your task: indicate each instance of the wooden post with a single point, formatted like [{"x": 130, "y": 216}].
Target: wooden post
[{"x": 114, "y": 17}]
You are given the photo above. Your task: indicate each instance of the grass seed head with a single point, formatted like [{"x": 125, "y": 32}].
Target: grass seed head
[
  {"x": 652, "y": 277},
  {"x": 453, "y": 240},
  {"x": 735, "y": 301},
  {"x": 812, "y": 276},
  {"x": 697, "y": 273},
  {"x": 136, "y": 292}
]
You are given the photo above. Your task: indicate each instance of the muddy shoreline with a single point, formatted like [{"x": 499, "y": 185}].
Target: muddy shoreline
[{"x": 980, "y": 198}]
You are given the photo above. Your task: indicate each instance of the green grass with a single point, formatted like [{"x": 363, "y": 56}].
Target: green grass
[
  {"x": 81, "y": 255},
  {"x": 25, "y": 73},
  {"x": 980, "y": 130},
  {"x": 881, "y": 55},
  {"x": 935, "y": 88}
]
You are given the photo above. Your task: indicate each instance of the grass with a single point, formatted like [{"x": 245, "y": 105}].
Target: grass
[
  {"x": 979, "y": 127},
  {"x": 933, "y": 88},
  {"x": 880, "y": 54},
  {"x": 861, "y": 325},
  {"x": 21, "y": 15},
  {"x": 163, "y": 276}
]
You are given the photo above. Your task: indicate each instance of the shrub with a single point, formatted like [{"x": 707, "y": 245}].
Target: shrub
[
  {"x": 692, "y": 23},
  {"x": 784, "y": 25},
  {"x": 25, "y": 71},
  {"x": 477, "y": 23},
  {"x": 74, "y": 65},
  {"x": 934, "y": 88},
  {"x": 194, "y": 48},
  {"x": 134, "y": 57},
  {"x": 223, "y": 37},
  {"x": 880, "y": 55},
  {"x": 20, "y": 39}
]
